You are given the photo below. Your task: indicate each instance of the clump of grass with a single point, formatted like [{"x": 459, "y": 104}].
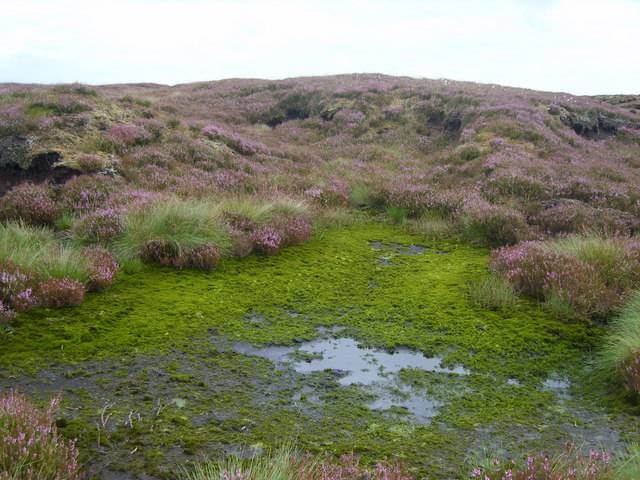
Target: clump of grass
[
  {"x": 286, "y": 463},
  {"x": 609, "y": 256},
  {"x": 622, "y": 346},
  {"x": 336, "y": 216},
  {"x": 362, "y": 196},
  {"x": 628, "y": 465},
  {"x": 492, "y": 225},
  {"x": 575, "y": 276},
  {"x": 560, "y": 306},
  {"x": 180, "y": 224},
  {"x": 397, "y": 214},
  {"x": 37, "y": 250},
  {"x": 432, "y": 227},
  {"x": 493, "y": 292},
  {"x": 260, "y": 211},
  {"x": 279, "y": 465}
]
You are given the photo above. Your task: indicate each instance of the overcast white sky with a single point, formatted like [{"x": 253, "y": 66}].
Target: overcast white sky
[{"x": 583, "y": 47}]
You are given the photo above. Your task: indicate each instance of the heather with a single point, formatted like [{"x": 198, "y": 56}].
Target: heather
[
  {"x": 154, "y": 240},
  {"x": 582, "y": 275},
  {"x": 32, "y": 204},
  {"x": 60, "y": 292},
  {"x": 103, "y": 267},
  {"x": 573, "y": 463},
  {"x": 31, "y": 448},
  {"x": 99, "y": 226}
]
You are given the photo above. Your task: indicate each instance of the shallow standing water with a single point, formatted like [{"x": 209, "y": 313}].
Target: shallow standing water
[
  {"x": 364, "y": 339},
  {"x": 367, "y": 367}
]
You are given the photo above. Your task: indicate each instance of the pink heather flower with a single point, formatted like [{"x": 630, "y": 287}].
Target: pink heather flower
[
  {"x": 99, "y": 226},
  {"x": 28, "y": 436},
  {"x": 103, "y": 268},
  {"x": 266, "y": 240},
  {"x": 234, "y": 140},
  {"x": 204, "y": 257},
  {"x": 6, "y": 314},
  {"x": 293, "y": 230},
  {"x": 87, "y": 192},
  {"x": 24, "y": 300},
  {"x": 60, "y": 292},
  {"x": 124, "y": 135},
  {"x": 33, "y": 204}
]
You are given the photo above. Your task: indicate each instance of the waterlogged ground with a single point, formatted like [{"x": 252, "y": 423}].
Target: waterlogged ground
[{"x": 363, "y": 339}]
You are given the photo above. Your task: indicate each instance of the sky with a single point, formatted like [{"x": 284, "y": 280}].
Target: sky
[{"x": 581, "y": 47}]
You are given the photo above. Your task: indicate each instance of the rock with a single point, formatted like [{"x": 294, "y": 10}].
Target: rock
[
  {"x": 591, "y": 124},
  {"x": 15, "y": 151}
]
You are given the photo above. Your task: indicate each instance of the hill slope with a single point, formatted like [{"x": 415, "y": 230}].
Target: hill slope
[{"x": 328, "y": 134}]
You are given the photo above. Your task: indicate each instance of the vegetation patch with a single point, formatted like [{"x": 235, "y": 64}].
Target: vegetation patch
[{"x": 147, "y": 366}]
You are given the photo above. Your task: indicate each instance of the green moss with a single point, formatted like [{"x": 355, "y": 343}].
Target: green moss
[{"x": 152, "y": 349}]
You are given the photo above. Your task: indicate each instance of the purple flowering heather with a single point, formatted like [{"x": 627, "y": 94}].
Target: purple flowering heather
[
  {"x": 24, "y": 300},
  {"x": 234, "y": 140},
  {"x": 348, "y": 468},
  {"x": 125, "y": 135},
  {"x": 12, "y": 280},
  {"x": 266, "y": 240},
  {"x": 335, "y": 192},
  {"x": 16, "y": 290},
  {"x": 60, "y": 292},
  {"x": 99, "y": 226},
  {"x": 571, "y": 464},
  {"x": 85, "y": 193},
  {"x": 103, "y": 268},
  {"x": 421, "y": 197},
  {"x": 33, "y": 204},
  {"x": 493, "y": 225},
  {"x": 536, "y": 270},
  {"x": 6, "y": 313},
  {"x": 30, "y": 446},
  {"x": 294, "y": 230},
  {"x": 203, "y": 257}
]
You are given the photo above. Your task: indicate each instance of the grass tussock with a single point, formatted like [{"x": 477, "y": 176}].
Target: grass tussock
[
  {"x": 280, "y": 465},
  {"x": 182, "y": 224},
  {"x": 36, "y": 249},
  {"x": 610, "y": 256},
  {"x": 260, "y": 211},
  {"x": 628, "y": 465},
  {"x": 432, "y": 227},
  {"x": 622, "y": 346},
  {"x": 493, "y": 292},
  {"x": 287, "y": 463},
  {"x": 588, "y": 276}
]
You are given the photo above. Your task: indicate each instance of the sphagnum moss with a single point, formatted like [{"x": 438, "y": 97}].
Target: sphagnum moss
[{"x": 149, "y": 351}]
